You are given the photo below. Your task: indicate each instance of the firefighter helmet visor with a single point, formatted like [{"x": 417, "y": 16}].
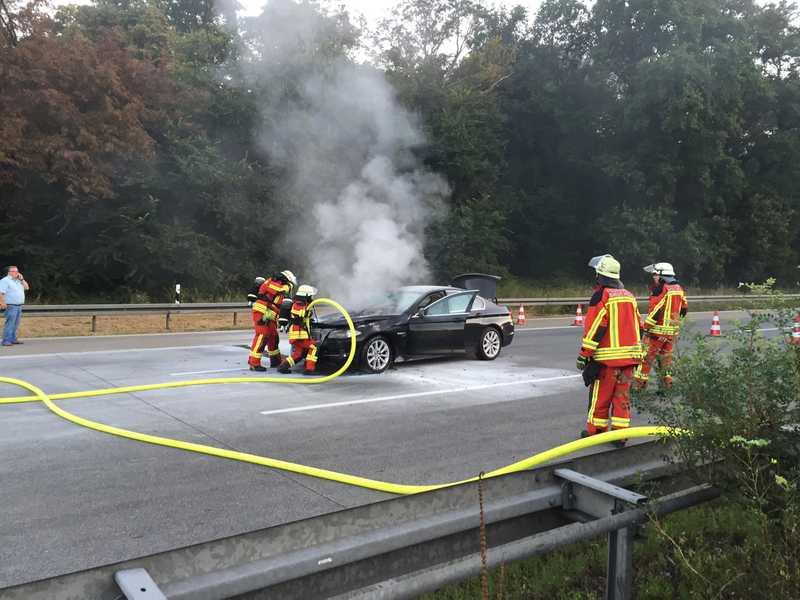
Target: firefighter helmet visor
[
  {"x": 606, "y": 265},
  {"x": 662, "y": 268}
]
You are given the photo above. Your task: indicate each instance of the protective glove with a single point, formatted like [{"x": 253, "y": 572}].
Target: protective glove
[{"x": 582, "y": 362}]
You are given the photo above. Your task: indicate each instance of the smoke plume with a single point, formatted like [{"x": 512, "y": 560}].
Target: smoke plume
[{"x": 360, "y": 197}]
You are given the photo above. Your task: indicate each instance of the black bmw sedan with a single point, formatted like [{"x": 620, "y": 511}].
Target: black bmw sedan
[{"x": 418, "y": 321}]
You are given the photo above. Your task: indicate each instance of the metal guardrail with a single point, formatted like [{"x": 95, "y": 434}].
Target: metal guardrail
[
  {"x": 87, "y": 309},
  {"x": 641, "y": 299},
  {"x": 168, "y": 310},
  {"x": 403, "y": 547}
]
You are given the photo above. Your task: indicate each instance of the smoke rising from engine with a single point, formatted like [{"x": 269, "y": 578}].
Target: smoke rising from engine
[{"x": 360, "y": 197}]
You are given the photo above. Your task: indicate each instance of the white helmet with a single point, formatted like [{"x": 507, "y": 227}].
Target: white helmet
[
  {"x": 290, "y": 278},
  {"x": 306, "y": 291},
  {"x": 606, "y": 265},
  {"x": 662, "y": 268}
]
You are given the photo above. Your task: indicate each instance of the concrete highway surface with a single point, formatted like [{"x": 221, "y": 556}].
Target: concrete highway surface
[{"x": 73, "y": 498}]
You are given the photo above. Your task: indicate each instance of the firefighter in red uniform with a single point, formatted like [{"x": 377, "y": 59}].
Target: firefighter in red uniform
[
  {"x": 610, "y": 349},
  {"x": 667, "y": 308},
  {"x": 266, "y": 310},
  {"x": 303, "y": 345}
]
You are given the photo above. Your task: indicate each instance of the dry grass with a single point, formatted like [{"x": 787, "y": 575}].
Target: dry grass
[{"x": 39, "y": 326}]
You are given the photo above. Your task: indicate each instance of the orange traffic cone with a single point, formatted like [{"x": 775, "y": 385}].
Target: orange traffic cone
[
  {"x": 716, "y": 330},
  {"x": 521, "y": 316},
  {"x": 578, "y": 316},
  {"x": 796, "y": 331}
]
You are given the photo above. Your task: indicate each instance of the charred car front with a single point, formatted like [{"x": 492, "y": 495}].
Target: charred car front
[{"x": 418, "y": 321}]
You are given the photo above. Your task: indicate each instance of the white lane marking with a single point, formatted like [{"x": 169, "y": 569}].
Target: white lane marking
[
  {"x": 87, "y": 352},
  {"x": 210, "y": 371},
  {"x": 417, "y": 395}
]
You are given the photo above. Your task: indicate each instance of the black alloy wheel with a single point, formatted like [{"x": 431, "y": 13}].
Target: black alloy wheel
[
  {"x": 377, "y": 355},
  {"x": 489, "y": 344}
]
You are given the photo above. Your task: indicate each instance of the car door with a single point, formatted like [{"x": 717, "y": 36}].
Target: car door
[{"x": 439, "y": 327}]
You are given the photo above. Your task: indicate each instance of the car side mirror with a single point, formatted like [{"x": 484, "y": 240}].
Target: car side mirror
[{"x": 419, "y": 314}]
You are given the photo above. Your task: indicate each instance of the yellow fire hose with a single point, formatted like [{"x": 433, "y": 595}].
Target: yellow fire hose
[{"x": 354, "y": 480}]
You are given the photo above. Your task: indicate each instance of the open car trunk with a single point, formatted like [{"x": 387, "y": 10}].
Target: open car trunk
[{"x": 487, "y": 284}]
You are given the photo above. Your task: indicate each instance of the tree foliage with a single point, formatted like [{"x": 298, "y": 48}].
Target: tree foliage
[{"x": 654, "y": 129}]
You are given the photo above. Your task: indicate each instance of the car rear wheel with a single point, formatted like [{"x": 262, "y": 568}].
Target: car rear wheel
[
  {"x": 377, "y": 355},
  {"x": 489, "y": 344}
]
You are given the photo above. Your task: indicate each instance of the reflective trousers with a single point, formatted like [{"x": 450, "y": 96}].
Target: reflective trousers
[
  {"x": 266, "y": 336},
  {"x": 657, "y": 348},
  {"x": 303, "y": 349},
  {"x": 610, "y": 393}
]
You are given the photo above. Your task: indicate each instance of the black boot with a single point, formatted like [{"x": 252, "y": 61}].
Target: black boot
[
  {"x": 284, "y": 368},
  {"x": 275, "y": 361},
  {"x": 257, "y": 368}
]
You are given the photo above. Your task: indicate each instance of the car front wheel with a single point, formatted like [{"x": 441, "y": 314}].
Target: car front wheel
[
  {"x": 489, "y": 344},
  {"x": 377, "y": 355}
]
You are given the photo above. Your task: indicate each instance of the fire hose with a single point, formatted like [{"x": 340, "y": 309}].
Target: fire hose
[{"x": 393, "y": 488}]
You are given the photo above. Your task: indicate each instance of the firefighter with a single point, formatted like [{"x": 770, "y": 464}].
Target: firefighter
[
  {"x": 266, "y": 310},
  {"x": 252, "y": 295},
  {"x": 303, "y": 344},
  {"x": 665, "y": 312},
  {"x": 610, "y": 349}
]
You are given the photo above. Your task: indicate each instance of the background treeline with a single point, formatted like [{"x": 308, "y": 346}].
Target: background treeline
[{"x": 649, "y": 128}]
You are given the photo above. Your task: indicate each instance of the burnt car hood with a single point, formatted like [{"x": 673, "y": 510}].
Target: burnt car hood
[{"x": 359, "y": 320}]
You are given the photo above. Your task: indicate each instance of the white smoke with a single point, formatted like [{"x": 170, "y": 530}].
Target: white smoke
[{"x": 347, "y": 146}]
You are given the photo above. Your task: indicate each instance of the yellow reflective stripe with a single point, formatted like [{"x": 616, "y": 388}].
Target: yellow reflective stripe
[
  {"x": 595, "y": 389},
  {"x": 664, "y": 330},
  {"x": 667, "y": 309},
  {"x": 290, "y": 360},
  {"x": 614, "y": 324},
  {"x": 600, "y": 422},
  {"x": 620, "y": 422},
  {"x": 596, "y": 324},
  {"x": 298, "y": 335},
  {"x": 275, "y": 352},
  {"x": 621, "y": 352},
  {"x": 254, "y": 353},
  {"x": 590, "y": 344},
  {"x": 626, "y": 354},
  {"x": 312, "y": 354},
  {"x": 650, "y": 320},
  {"x": 257, "y": 307}
]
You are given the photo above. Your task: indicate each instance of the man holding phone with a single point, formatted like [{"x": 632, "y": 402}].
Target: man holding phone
[{"x": 12, "y": 297}]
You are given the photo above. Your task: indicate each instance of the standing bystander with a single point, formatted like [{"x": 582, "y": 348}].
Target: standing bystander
[{"x": 12, "y": 297}]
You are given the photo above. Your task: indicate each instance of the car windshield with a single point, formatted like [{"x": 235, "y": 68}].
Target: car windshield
[{"x": 391, "y": 303}]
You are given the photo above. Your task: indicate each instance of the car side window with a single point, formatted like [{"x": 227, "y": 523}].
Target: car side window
[
  {"x": 479, "y": 304},
  {"x": 452, "y": 305},
  {"x": 431, "y": 298}
]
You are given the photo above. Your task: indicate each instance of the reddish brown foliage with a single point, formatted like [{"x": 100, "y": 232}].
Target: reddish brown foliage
[{"x": 73, "y": 110}]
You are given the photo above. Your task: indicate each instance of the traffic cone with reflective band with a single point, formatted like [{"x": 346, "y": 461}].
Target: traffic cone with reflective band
[
  {"x": 521, "y": 316},
  {"x": 716, "y": 330},
  {"x": 578, "y": 315},
  {"x": 796, "y": 331}
]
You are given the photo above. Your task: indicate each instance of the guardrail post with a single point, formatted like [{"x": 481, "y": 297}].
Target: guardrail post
[
  {"x": 167, "y": 322},
  {"x": 619, "y": 583},
  {"x": 234, "y": 318},
  {"x": 94, "y": 323},
  {"x": 596, "y": 499}
]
